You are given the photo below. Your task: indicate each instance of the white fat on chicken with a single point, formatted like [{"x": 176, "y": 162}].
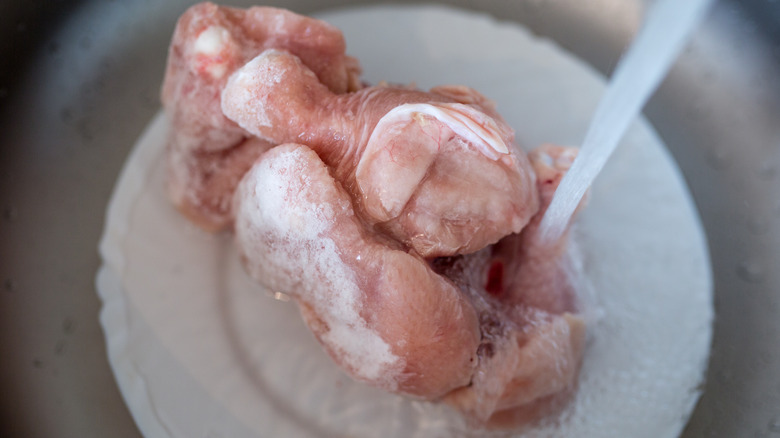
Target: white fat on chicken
[
  {"x": 240, "y": 89},
  {"x": 209, "y": 45}
]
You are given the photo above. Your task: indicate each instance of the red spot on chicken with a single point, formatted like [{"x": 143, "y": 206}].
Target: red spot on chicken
[{"x": 495, "y": 279}]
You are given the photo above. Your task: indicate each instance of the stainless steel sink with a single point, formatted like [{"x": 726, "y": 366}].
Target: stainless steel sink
[{"x": 79, "y": 80}]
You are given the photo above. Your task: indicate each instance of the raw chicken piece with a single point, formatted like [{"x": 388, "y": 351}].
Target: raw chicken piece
[
  {"x": 436, "y": 170},
  {"x": 500, "y": 349},
  {"x": 381, "y": 312},
  {"x": 209, "y": 43},
  {"x": 403, "y": 222}
]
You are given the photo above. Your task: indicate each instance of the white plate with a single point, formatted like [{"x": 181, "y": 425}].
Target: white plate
[{"x": 199, "y": 350}]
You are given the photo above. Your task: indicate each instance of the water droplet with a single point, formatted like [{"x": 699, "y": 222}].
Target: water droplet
[
  {"x": 750, "y": 271},
  {"x": 717, "y": 158},
  {"x": 767, "y": 171},
  {"x": 530, "y": 7},
  {"x": 9, "y": 213},
  {"x": 758, "y": 225},
  {"x": 766, "y": 357},
  {"x": 66, "y": 115},
  {"x": 84, "y": 128},
  {"x": 53, "y": 48},
  {"x": 774, "y": 425},
  {"x": 68, "y": 326},
  {"x": 149, "y": 99},
  {"x": 106, "y": 64},
  {"x": 9, "y": 285},
  {"x": 696, "y": 111},
  {"x": 85, "y": 42},
  {"x": 59, "y": 347},
  {"x": 281, "y": 296}
]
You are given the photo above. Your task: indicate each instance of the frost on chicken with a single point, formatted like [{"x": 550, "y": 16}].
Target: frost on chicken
[
  {"x": 296, "y": 229},
  {"x": 403, "y": 222},
  {"x": 288, "y": 224},
  {"x": 440, "y": 175},
  {"x": 209, "y": 44}
]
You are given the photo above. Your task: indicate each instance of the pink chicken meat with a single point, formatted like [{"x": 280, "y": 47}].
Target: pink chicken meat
[{"x": 403, "y": 222}]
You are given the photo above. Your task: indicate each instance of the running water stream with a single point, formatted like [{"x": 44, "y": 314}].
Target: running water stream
[{"x": 667, "y": 26}]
